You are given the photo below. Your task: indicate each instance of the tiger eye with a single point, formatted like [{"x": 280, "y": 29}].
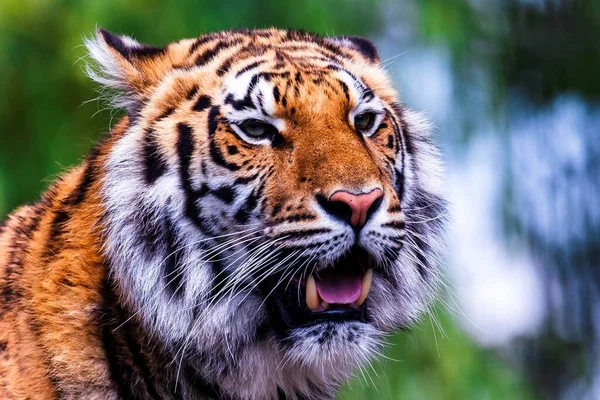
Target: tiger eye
[
  {"x": 255, "y": 128},
  {"x": 364, "y": 121}
]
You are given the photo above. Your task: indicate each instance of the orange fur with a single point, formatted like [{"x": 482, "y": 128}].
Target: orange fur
[{"x": 48, "y": 334}]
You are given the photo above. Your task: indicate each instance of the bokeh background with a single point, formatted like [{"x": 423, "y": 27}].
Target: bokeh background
[{"x": 514, "y": 89}]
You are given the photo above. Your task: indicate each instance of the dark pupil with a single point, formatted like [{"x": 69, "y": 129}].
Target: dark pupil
[
  {"x": 254, "y": 128},
  {"x": 363, "y": 121}
]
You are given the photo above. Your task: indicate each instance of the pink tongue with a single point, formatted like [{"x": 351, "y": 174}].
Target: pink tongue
[{"x": 336, "y": 289}]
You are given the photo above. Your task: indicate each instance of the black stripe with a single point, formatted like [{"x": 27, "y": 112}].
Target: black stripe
[
  {"x": 215, "y": 152},
  {"x": 395, "y": 209},
  {"x": 209, "y": 54},
  {"x": 185, "y": 149},
  {"x": 243, "y": 214},
  {"x": 225, "y": 193},
  {"x": 120, "y": 375},
  {"x": 202, "y": 103},
  {"x": 226, "y": 65},
  {"x": 128, "y": 364},
  {"x": 245, "y": 180},
  {"x": 390, "y": 142},
  {"x": 294, "y": 218},
  {"x": 281, "y": 394},
  {"x": 299, "y": 234},
  {"x": 393, "y": 224},
  {"x": 345, "y": 89},
  {"x": 367, "y": 94},
  {"x": 276, "y": 94},
  {"x": 150, "y": 231},
  {"x": 249, "y": 67},
  {"x": 168, "y": 111},
  {"x": 431, "y": 208},
  {"x": 173, "y": 274},
  {"x": 57, "y": 229},
  {"x": 244, "y": 104},
  {"x": 213, "y": 121},
  {"x": 10, "y": 290},
  {"x": 192, "y": 92},
  {"x": 399, "y": 178},
  {"x": 62, "y": 213},
  {"x": 401, "y": 127},
  {"x": 140, "y": 361},
  {"x": 78, "y": 195},
  {"x": 154, "y": 163},
  {"x": 127, "y": 51},
  {"x": 276, "y": 208},
  {"x": 200, "y": 41}
]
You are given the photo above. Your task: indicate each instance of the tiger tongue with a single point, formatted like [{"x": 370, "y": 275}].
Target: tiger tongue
[{"x": 338, "y": 288}]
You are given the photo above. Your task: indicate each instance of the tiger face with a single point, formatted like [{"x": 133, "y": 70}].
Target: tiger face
[{"x": 271, "y": 205}]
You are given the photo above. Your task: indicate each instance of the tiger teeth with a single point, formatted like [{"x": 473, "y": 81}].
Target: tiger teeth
[
  {"x": 312, "y": 297},
  {"x": 367, "y": 280}
]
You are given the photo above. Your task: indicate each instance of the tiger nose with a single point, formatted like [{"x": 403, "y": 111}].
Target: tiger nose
[{"x": 353, "y": 208}]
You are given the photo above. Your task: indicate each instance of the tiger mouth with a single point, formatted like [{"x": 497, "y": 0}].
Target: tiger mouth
[
  {"x": 337, "y": 287},
  {"x": 335, "y": 293}
]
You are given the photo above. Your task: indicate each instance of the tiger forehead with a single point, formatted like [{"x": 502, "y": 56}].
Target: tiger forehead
[
  {"x": 288, "y": 89},
  {"x": 228, "y": 50},
  {"x": 257, "y": 42}
]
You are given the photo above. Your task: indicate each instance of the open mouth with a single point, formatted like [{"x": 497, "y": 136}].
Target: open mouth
[
  {"x": 338, "y": 292},
  {"x": 338, "y": 287}
]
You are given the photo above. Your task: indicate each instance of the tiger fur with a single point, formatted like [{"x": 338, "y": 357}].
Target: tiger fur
[{"x": 167, "y": 264}]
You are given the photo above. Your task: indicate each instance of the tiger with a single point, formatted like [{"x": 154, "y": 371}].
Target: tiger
[{"x": 263, "y": 215}]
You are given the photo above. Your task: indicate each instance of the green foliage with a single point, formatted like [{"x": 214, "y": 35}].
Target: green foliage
[{"x": 436, "y": 360}]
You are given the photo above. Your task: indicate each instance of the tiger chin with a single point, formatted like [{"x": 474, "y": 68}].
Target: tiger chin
[{"x": 264, "y": 214}]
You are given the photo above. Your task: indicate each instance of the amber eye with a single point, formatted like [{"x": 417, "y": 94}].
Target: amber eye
[
  {"x": 364, "y": 121},
  {"x": 257, "y": 129}
]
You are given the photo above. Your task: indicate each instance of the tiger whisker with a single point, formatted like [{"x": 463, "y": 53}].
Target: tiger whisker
[
  {"x": 178, "y": 274},
  {"x": 195, "y": 324}
]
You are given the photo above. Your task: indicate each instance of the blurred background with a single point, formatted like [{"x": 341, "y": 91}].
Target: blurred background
[{"x": 514, "y": 90}]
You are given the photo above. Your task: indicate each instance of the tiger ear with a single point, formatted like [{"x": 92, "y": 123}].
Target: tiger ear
[
  {"x": 123, "y": 64},
  {"x": 359, "y": 44}
]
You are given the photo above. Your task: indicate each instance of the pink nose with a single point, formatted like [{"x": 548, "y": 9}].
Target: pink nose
[{"x": 362, "y": 205}]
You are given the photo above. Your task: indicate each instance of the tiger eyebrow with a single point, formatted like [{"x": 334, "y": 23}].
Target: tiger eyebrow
[{"x": 367, "y": 94}]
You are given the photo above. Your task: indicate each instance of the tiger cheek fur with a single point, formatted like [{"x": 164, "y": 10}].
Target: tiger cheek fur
[{"x": 262, "y": 217}]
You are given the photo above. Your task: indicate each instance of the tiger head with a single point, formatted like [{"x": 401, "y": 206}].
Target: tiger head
[{"x": 271, "y": 210}]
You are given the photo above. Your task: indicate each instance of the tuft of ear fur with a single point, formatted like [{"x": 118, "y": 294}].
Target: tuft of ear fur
[
  {"x": 123, "y": 67},
  {"x": 359, "y": 44}
]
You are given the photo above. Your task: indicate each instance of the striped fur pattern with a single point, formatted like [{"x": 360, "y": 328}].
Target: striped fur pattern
[{"x": 146, "y": 272}]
